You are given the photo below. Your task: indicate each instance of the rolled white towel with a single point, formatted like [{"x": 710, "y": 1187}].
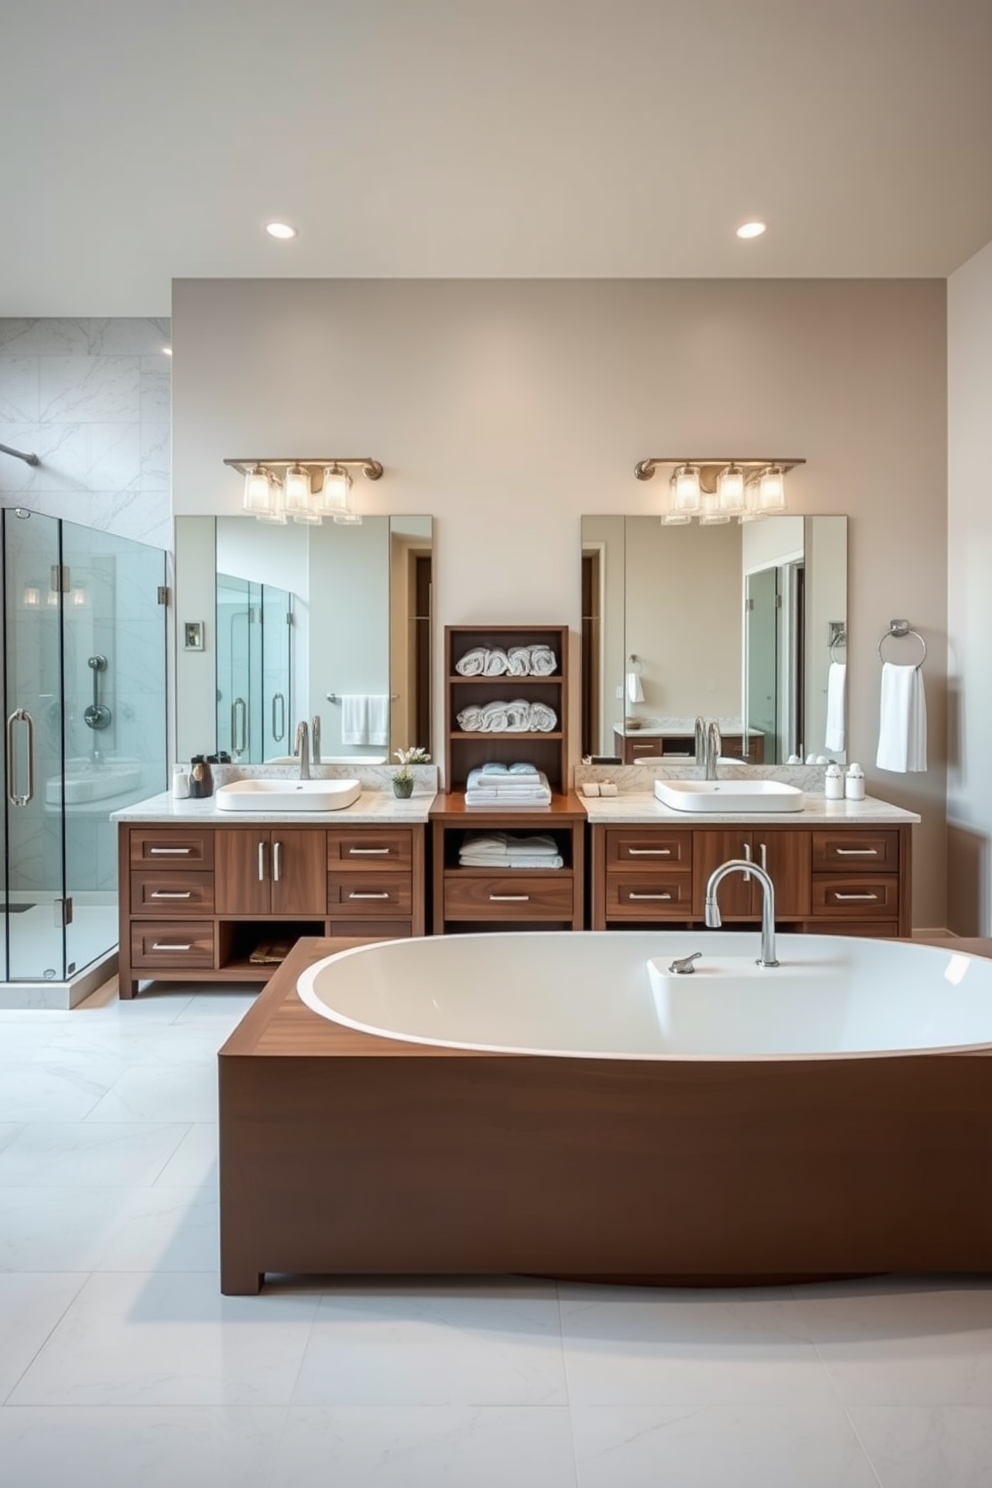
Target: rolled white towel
[
  {"x": 542, "y": 661},
  {"x": 497, "y": 662},
  {"x": 470, "y": 720},
  {"x": 519, "y": 659},
  {"x": 493, "y": 844},
  {"x": 495, "y": 718},
  {"x": 543, "y": 720},
  {"x": 473, "y": 663},
  {"x": 518, "y": 712}
]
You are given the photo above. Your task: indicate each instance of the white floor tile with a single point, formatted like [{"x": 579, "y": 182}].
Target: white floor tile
[
  {"x": 625, "y": 1345},
  {"x": 30, "y": 1307},
  {"x": 164, "y": 1229},
  {"x": 194, "y": 1162},
  {"x": 942, "y": 1446},
  {"x": 32, "y": 1093},
  {"x": 461, "y": 1342},
  {"x": 170, "y": 1339},
  {"x": 425, "y": 1447},
  {"x": 55, "y": 1154},
  {"x": 156, "y": 1092},
  {"x": 138, "y": 1446},
  {"x": 8, "y": 1131},
  {"x": 718, "y": 1447},
  {"x": 57, "y": 1229}
]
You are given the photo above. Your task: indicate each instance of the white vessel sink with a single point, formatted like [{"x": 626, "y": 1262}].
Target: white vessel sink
[
  {"x": 730, "y": 795},
  {"x": 287, "y": 795}
]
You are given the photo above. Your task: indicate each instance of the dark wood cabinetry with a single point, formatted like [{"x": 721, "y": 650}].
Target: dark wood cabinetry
[
  {"x": 634, "y": 747},
  {"x": 270, "y": 872}
]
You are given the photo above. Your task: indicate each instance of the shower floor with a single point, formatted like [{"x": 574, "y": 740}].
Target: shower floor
[{"x": 35, "y": 948}]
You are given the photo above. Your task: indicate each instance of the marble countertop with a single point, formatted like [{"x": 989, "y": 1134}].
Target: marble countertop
[
  {"x": 375, "y": 806},
  {"x": 641, "y": 807},
  {"x": 653, "y": 726}
]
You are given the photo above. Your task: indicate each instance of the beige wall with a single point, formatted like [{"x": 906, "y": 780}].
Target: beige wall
[
  {"x": 509, "y": 408},
  {"x": 969, "y": 610}
]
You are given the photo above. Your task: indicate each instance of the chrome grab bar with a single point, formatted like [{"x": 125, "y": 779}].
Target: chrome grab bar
[
  {"x": 19, "y": 715},
  {"x": 279, "y": 733},
  {"x": 236, "y": 748}
]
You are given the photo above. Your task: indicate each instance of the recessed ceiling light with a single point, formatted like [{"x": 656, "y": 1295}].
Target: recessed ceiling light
[
  {"x": 280, "y": 230},
  {"x": 751, "y": 229}
]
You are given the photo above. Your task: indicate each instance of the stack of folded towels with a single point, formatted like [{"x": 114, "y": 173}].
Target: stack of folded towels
[
  {"x": 515, "y": 717},
  {"x": 507, "y": 785},
  {"x": 515, "y": 661},
  {"x": 507, "y": 850}
]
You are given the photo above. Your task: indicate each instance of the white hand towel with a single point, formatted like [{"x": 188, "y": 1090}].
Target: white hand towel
[
  {"x": 836, "y": 689},
  {"x": 902, "y": 724},
  {"x": 379, "y": 719},
  {"x": 635, "y": 690},
  {"x": 355, "y": 719}
]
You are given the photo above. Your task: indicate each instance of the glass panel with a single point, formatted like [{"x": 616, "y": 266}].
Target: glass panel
[
  {"x": 34, "y": 856},
  {"x": 277, "y": 704},
  {"x": 115, "y": 740},
  {"x": 762, "y": 658}
]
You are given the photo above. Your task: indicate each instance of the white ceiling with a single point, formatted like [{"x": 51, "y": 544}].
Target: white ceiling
[{"x": 146, "y": 140}]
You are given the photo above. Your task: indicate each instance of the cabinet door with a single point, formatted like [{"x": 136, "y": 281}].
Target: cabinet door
[
  {"x": 298, "y": 868},
  {"x": 710, "y": 848},
  {"x": 242, "y": 867},
  {"x": 786, "y": 855}
]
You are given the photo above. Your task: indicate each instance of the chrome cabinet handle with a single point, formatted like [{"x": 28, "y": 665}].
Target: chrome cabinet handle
[
  {"x": 366, "y": 852},
  {"x": 161, "y": 946},
  {"x": 172, "y": 894},
  {"x": 856, "y": 852},
  {"x": 19, "y": 715},
  {"x": 368, "y": 896},
  {"x": 764, "y": 856},
  {"x": 261, "y": 862},
  {"x": 169, "y": 852},
  {"x": 649, "y": 896},
  {"x": 509, "y": 898},
  {"x": 276, "y": 861},
  {"x": 855, "y": 896},
  {"x": 279, "y": 730},
  {"x": 649, "y": 852},
  {"x": 747, "y": 858}
]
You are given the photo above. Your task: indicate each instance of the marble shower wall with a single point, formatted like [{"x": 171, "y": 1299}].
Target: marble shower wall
[{"x": 92, "y": 399}]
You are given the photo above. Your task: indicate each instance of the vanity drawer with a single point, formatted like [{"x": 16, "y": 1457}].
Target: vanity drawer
[
  {"x": 170, "y": 849},
  {"x": 856, "y": 851},
  {"x": 369, "y": 851},
  {"x": 629, "y": 848},
  {"x": 861, "y": 897},
  {"x": 168, "y": 894},
  {"x": 514, "y": 896},
  {"x": 369, "y": 894},
  {"x": 176, "y": 943},
  {"x": 658, "y": 896}
]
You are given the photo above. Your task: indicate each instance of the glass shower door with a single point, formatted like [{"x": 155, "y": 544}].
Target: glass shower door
[{"x": 34, "y": 857}]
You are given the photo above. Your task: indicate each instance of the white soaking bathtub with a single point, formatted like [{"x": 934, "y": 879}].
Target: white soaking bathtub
[{"x": 610, "y": 994}]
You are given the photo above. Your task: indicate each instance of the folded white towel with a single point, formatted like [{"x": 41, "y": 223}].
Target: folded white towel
[
  {"x": 470, "y": 720},
  {"x": 517, "y": 772},
  {"x": 495, "y": 802},
  {"x": 502, "y": 844},
  {"x": 833, "y": 737},
  {"x": 473, "y": 663},
  {"x": 482, "y": 778},
  {"x": 902, "y": 724},
  {"x": 542, "y": 718},
  {"x": 635, "y": 689},
  {"x": 497, "y": 662},
  {"x": 519, "y": 659},
  {"x": 542, "y": 661},
  {"x": 481, "y": 861}
]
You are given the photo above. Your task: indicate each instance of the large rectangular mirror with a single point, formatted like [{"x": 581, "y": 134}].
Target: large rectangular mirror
[
  {"x": 277, "y": 624},
  {"x": 742, "y": 622}
]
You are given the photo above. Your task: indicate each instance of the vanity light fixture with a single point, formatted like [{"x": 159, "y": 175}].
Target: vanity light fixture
[
  {"x": 306, "y": 490},
  {"x": 715, "y": 490}
]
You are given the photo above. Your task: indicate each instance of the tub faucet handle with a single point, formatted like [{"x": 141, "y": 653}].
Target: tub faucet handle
[{"x": 683, "y": 965}]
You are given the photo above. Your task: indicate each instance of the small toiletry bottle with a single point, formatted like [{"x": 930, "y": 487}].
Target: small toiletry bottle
[
  {"x": 200, "y": 779},
  {"x": 854, "y": 783},
  {"x": 180, "y": 782},
  {"x": 833, "y": 783}
]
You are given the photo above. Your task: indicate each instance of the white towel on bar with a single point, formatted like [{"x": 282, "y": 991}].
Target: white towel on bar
[
  {"x": 364, "y": 718},
  {"x": 902, "y": 723},
  {"x": 836, "y": 691},
  {"x": 635, "y": 689},
  {"x": 379, "y": 719}
]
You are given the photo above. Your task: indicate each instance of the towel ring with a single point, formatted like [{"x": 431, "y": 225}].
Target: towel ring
[
  {"x": 837, "y": 636},
  {"x": 636, "y": 666},
  {"x": 902, "y": 628}
]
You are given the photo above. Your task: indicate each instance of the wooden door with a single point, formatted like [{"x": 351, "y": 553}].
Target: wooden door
[
  {"x": 298, "y": 868},
  {"x": 786, "y": 855},
  {"x": 710, "y": 848},
  {"x": 242, "y": 868}
]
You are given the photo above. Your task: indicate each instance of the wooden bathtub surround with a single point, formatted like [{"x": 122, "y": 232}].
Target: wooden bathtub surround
[{"x": 345, "y": 1153}]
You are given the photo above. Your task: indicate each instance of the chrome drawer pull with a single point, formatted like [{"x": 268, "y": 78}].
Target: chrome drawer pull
[
  {"x": 855, "y": 896},
  {"x": 158, "y": 946},
  {"x": 649, "y": 896},
  {"x": 368, "y": 896},
  {"x": 261, "y": 862},
  {"x": 164, "y": 852},
  {"x": 509, "y": 898},
  {"x": 172, "y": 894},
  {"x": 366, "y": 852},
  {"x": 856, "y": 852},
  {"x": 276, "y": 861},
  {"x": 747, "y": 858},
  {"x": 649, "y": 852}
]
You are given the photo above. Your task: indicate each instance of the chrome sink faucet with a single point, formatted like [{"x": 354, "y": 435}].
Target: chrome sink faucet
[
  {"x": 315, "y": 738},
  {"x": 302, "y": 748},
  {"x": 740, "y": 865},
  {"x": 713, "y": 748}
]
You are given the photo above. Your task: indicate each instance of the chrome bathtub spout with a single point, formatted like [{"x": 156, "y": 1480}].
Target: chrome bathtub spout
[
  {"x": 302, "y": 748},
  {"x": 740, "y": 865}
]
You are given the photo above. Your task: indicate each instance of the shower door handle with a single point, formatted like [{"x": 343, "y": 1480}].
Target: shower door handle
[
  {"x": 19, "y": 715},
  {"x": 239, "y": 704},
  {"x": 279, "y": 730}
]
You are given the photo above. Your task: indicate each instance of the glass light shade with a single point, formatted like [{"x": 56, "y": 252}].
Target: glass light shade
[
  {"x": 296, "y": 487},
  {"x": 258, "y": 490},
  {"x": 275, "y": 514},
  {"x": 335, "y": 493},
  {"x": 714, "y": 519},
  {"x": 771, "y": 489},
  {"x": 676, "y": 519},
  {"x": 730, "y": 489},
  {"x": 347, "y": 519},
  {"x": 685, "y": 489}
]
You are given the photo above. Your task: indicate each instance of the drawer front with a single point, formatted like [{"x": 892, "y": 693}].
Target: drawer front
[
  {"x": 860, "y": 897},
  {"x": 176, "y": 943},
  {"x": 369, "y": 851},
  {"x": 877, "y": 929},
  {"x": 642, "y": 749},
  {"x": 170, "y": 849},
  {"x": 655, "y": 896},
  {"x": 514, "y": 896},
  {"x": 644, "y": 849},
  {"x": 169, "y": 894},
  {"x": 372, "y": 894},
  {"x": 861, "y": 851}
]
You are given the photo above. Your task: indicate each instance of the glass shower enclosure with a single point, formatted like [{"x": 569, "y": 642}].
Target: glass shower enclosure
[{"x": 84, "y": 669}]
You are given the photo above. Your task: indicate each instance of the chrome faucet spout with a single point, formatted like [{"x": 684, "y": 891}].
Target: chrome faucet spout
[
  {"x": 315, "y": 739},
  {"x": 742, "y": 865},
  {"x": 302, "y": 748},
  {"x": 713, "y": 748}
]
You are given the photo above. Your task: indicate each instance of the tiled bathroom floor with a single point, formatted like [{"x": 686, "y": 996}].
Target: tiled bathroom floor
[{"x": 122, "y": 1365}]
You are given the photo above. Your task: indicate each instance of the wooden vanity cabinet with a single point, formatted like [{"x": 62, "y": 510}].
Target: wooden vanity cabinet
[
  {"x": 783, "y": 853},
  {"x": 260, "y": 871}
]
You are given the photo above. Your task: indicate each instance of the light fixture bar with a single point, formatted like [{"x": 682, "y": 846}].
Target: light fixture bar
[
  {"x": 644, "y": 469},
  {"x": 370, "y": 467}
]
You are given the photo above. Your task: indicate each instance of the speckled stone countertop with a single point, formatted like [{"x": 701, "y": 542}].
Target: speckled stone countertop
[
  {"x": 641, "y": 807},
  {"x": 376, "y": 804}
]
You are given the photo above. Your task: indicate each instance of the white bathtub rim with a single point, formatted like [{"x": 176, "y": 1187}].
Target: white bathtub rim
[{"x": 305, "y": 989}]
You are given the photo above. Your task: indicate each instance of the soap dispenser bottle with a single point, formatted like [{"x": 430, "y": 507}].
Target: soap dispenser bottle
[
  {"x": 833, "y": 783},
  {"x": 854, "y": 783}
]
